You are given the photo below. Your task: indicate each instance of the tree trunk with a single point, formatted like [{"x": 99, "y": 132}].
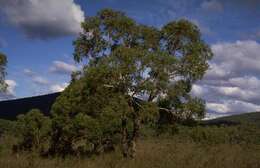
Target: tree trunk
[
  {"x": 129, "y": 141},
  {"x": 135, "y": 136},
  {"x": 124, "y": 138}
]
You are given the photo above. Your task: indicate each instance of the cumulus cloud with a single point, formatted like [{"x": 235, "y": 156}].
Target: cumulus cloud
[
  {"x": 236, "y": 92},
  {"x": 11, "y": 86},
  {"x": 37, "y": 79},
  {"x": 217, "y": 71},
  {"x": 239, "y": 58},
  {"x": 231, "y": 84},
  {"x": 40, "y": 80},
  {"x": 212, "y": 5},
  {"x": 218, "y": 93},
  {"x": 43, "y": 85},
  {"x": 246, "y": 82},
  {"x": 62, "y": 67},
  {"x": 198, "y": 90},
  {"x": 58, "y": 87},
  {"x": 233, "y": 106},
  {"x": 10, "y": 92},
  {"x": 44, "y": 19},
  {"x": 218, "y": 107}
]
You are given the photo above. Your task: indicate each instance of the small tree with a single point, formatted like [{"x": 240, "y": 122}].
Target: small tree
[
  {"x": 33, "y": 129},
  {"x": 84, "y": 121},
  {"x": 128, "y": 62}
]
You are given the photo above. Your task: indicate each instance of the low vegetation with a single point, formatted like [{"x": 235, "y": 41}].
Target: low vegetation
[{"x": 236, "y": 146}]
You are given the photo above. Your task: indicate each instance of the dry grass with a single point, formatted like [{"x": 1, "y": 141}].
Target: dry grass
[{"x": 152, "y": 153}]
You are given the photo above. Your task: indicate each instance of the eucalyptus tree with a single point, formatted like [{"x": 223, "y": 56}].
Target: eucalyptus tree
[{"x": 132, "y": 72}]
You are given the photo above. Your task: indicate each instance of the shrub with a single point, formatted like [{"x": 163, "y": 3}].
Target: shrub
[
  {"x": 79, "y": 127},
  {"x": 33, "y": 130}
]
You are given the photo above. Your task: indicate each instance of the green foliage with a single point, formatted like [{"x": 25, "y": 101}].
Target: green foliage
[
  {"x": 3, "y": 62},
  {"x": 126, "y": 60},
  {"x": 85, "y": 124},
  {"x": 145, "y": 60},
  {"x": 33, "y": 130},
  {"x": 7, "y": 126}
]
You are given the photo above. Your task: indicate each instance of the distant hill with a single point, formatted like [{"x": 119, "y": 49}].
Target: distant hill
[
  {"x": 11, "y": 108},
  {"x": 253, "y": 117}
]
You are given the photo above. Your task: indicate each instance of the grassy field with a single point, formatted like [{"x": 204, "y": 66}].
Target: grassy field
[
  {"x": 154, "y": 153},
  {"x": 236, "y": 146}
]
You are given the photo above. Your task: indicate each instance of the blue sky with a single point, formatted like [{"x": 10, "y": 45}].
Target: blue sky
[{"x": 37, "y": 36}]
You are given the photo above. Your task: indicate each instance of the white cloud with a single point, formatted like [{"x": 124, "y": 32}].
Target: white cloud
[
  {"x": 198, "y": 90},
  {"x": 58, "y": 87},
  {"x": 246, "y": 82},
  {"x": 11, "y": 86},
  {"x": 44, "y": 18},
  {"x": 233, "y": 106},
  {"x": 29, "y": 72},
  {"x": 218, "y": 107},
  {"x": 216, "y": 71},
  {"x": 210, "y": 116},
  {"x": 212, "y": 5},
  {"x": 238, "y": 93},
  {"x": 62, "y": 67},
  {"x": 232, "y": 83},
  {"x": 232, "y": 60},
  {"x": 239, "y": 58},
  {"x": 37, "y": 79},
  {"x": 10, "y": 92},
  {"x": 40, "y": 80},
  {"x": 43, "y": 85}
]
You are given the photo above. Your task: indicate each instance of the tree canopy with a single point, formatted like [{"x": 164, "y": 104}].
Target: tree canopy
[{"x": 133, "y": 71}]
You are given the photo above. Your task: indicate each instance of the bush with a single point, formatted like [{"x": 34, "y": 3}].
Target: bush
[
  {"x": 81, "y": 128},
  {"x": 33, "y": 132}
]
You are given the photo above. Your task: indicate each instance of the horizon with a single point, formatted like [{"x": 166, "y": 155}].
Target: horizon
[{"x": 38, "y": 45}]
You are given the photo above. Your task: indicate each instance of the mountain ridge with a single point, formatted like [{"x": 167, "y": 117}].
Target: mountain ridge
[{"x": 9, "y": 109}]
